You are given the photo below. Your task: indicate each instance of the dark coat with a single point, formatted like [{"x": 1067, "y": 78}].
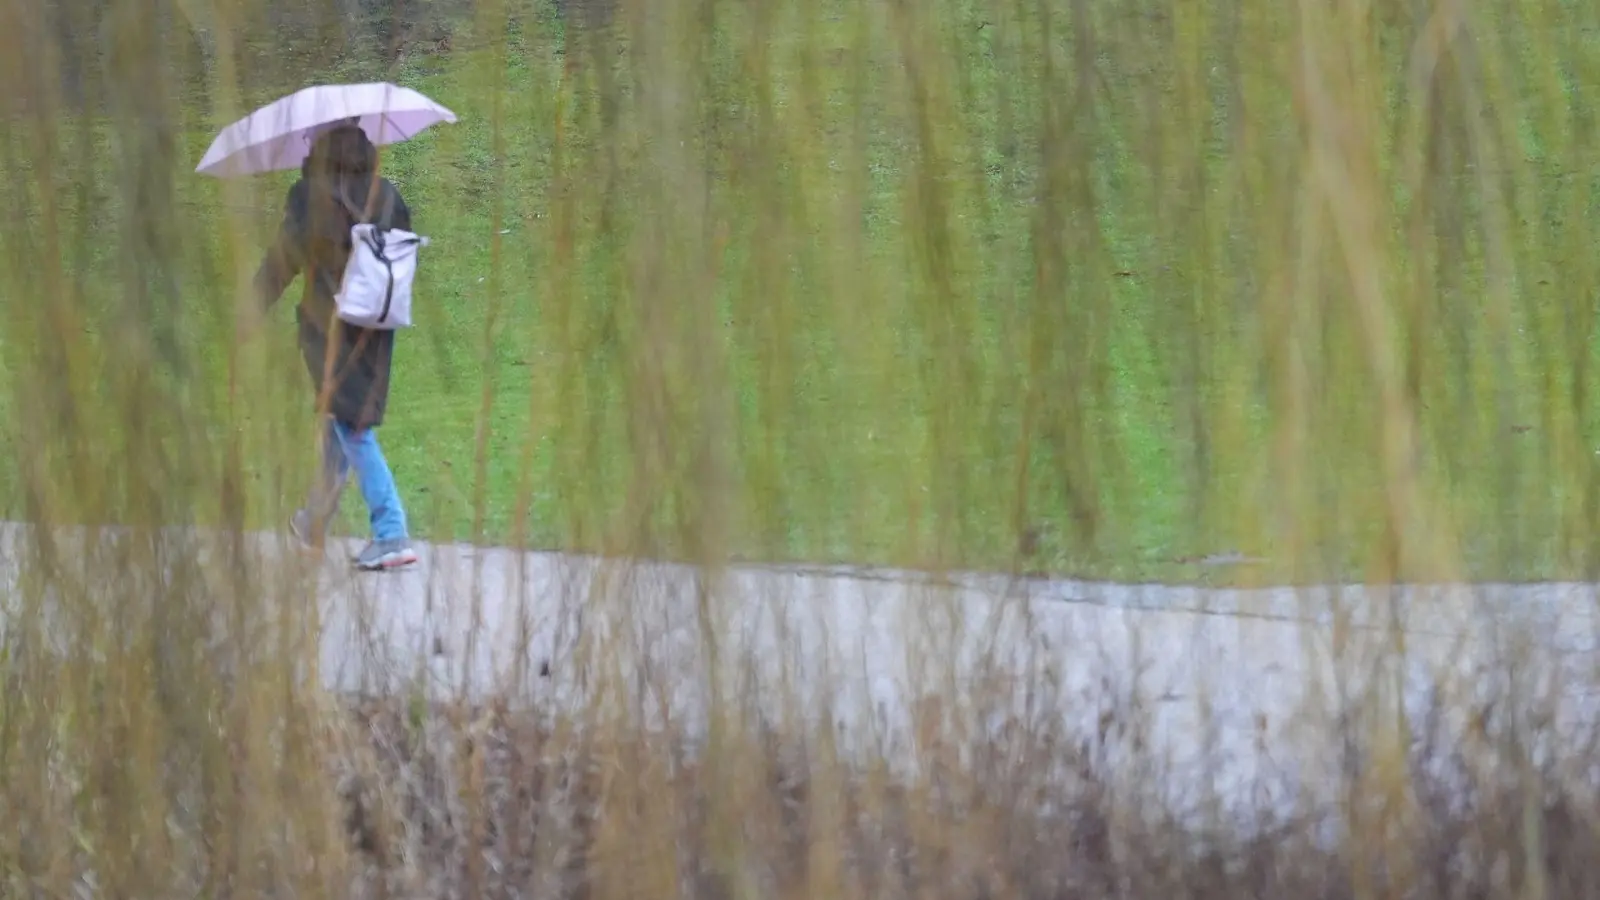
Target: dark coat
[{"x": 314, "y": 241}]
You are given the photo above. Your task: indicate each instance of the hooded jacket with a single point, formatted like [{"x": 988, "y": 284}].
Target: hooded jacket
[{"x": 314, "y": 240}]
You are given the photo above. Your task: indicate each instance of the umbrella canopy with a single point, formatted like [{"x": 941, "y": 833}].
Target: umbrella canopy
[{"x": 278, "y": 136}]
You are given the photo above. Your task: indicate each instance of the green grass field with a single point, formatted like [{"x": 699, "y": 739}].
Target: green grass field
[{"x": 801, "y": 287}]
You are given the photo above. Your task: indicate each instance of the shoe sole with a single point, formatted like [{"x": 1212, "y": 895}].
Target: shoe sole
[{"x": 393, "y": 561}]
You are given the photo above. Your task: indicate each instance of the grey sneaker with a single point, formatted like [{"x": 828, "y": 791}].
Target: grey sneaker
[{"x": 380, "y": 555}]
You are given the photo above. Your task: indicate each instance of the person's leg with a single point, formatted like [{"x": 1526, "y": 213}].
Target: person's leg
[
  {"x": 390, "y": 545},
  {"x": 310, "y": 523},
  {"x": 335, "y": 473}
]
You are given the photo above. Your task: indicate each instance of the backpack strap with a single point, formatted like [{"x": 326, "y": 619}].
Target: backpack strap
[
  {"x": 373, "y": 199},
  {"x": 349, "y": 207}
]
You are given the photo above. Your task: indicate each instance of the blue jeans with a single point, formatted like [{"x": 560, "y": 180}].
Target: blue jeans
[{"x": 346, "y": 450}]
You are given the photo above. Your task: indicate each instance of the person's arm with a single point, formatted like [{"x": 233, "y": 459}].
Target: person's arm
[
  {"x": 281, "y": 263},
  {"x": 283, "y": 260}
]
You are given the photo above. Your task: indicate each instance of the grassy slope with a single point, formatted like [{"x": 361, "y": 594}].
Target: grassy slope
[
  {"x": 890, "y": 367},
  {"x": 832, "y": 399}
]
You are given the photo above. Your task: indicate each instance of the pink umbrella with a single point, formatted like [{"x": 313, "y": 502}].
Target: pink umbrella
[{"x": 278, "y": 136}]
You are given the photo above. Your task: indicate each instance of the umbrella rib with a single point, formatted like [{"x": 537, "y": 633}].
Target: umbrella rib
[{"x": 396, "y": 126}]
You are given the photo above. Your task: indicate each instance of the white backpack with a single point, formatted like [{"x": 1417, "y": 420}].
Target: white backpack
[{"x": 375, "y": 291}]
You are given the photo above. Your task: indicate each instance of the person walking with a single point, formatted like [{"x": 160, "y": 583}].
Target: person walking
[{"x": 349, "y": 366}]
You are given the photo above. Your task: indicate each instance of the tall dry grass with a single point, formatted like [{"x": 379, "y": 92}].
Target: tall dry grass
[{"x": 778, "y": 244}]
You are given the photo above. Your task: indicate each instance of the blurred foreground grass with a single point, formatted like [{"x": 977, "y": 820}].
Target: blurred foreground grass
[{"x": 1070, "y": 286}]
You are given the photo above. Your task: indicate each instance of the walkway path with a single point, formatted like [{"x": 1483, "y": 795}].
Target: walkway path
[
  {"x": 1251, "y": 669},
  {"x": 1230, "y": 679}
]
